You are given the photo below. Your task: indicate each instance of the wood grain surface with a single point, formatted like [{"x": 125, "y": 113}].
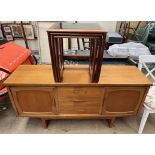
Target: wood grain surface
[{"x": 77, "y": 75}]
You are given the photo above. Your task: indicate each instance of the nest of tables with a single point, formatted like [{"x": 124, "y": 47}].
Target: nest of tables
[{"x": 91, "y": 31}]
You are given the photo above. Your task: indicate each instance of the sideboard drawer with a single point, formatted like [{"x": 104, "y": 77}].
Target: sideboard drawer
[{"x": 80, "y": 100}]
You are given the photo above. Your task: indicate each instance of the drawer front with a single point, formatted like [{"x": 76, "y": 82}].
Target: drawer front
[
  {"x": 122, "y": 101},
  {"x": 80, "y": 100},
  {"x": 35, "y": 101}
]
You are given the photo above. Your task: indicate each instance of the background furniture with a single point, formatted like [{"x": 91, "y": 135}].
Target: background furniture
[
  {"x": 113, "y": 38},
  {"x": 24, "y": 35},
  {"x": 149, "y": 107},
  {"x": 92, "y": 31},
  {"x": 11, "y": 56},
  {"x": 144, "y": 63},
  {"x": 147, "y": 110},
  {"x": 128, "y": 29},
  {"x": 151, "y": 37},
  {"x": 140, "y": 33},
  {"x": 123, "y": 30},
  {"x": 120, "y": 92}
]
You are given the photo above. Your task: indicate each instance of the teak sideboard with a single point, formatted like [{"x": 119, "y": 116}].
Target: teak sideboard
[{"x": 120, "y": 92}]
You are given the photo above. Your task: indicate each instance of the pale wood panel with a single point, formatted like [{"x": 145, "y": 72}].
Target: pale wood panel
[
  {"x": 110, "y": 75},
  {"x": 31, "y": 74},
  {"x": 122, "y": 75},
  {"x": 80, "y": 76}
]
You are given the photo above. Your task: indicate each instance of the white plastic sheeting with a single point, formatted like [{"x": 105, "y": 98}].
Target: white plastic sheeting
[{"x": 131, "y": 49}]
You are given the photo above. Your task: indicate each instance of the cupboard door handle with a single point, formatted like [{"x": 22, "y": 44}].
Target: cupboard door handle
[
  {"x": 54, "y": 106},
  {"x": 54, "y": 103}
]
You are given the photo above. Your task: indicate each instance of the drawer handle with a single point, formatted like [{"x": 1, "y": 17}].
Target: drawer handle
[{"x": 78, "y": 101}]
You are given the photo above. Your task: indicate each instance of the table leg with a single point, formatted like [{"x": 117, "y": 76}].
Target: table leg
[
  {"x": 44, "y": 123},
  {"x": 111, "y": 122}
]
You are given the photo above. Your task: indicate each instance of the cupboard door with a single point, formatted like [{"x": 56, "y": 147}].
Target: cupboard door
[
  {"x": 120, "y": 101},
  {"x": 35, "y": 101},
  {"x": 80, "y": 100}
]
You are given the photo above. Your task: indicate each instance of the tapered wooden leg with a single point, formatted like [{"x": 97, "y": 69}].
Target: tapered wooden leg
[
  {"x": 111, "y": 122},
  {"x": 44, "y": 123}
]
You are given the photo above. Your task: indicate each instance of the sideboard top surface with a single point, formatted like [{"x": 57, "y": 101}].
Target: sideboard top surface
[{"x": 41, "y": 75}]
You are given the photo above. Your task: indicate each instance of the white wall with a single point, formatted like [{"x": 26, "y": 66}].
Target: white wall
[
  {"x": 33, "y": 44},
  {"x": 107, "y": 25},
  {"x": 43, "y": 41}
]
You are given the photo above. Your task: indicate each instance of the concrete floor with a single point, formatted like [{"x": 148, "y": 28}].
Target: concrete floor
[{"x": 9, "y": 123}]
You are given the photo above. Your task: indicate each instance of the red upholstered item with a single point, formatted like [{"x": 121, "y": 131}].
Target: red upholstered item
[
  {"x": 3, "y": 76},
  {"x": 3, "y": 91},
  {"x": 12, "y": 55}
]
